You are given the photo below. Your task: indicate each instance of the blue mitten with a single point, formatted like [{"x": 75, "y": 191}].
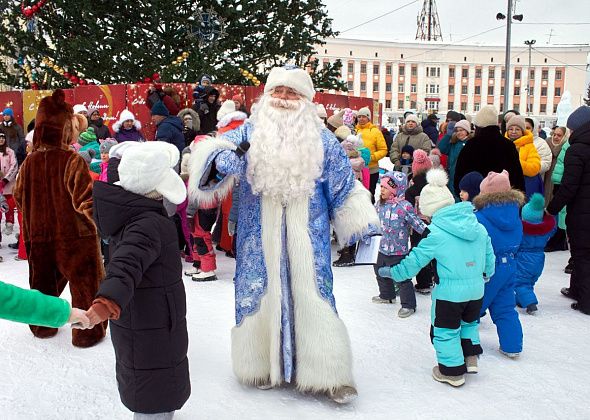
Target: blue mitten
[
  {"x": 385, "y": 272},
  {"x": 451, "y": 127}
]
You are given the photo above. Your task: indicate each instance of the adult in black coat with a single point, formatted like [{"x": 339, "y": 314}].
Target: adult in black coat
[
  {"x": 574, "y": 192},
  {"x": 95, "y": 121},
  {"x": 489, "y": 151},
  {"x": 208, "y": 110},
  {"x": 429, "y": 127}
]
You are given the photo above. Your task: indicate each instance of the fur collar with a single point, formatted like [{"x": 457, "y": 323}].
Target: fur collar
[
  {"x": 232, "y": 116},
  {"x": 542, "y": 228},
  {"x": 499, "y": 198}
]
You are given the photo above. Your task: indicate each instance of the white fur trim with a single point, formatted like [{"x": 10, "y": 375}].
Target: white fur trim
[
  {"x": 295, "y": 78},
  {"x": 232, "y": 116},
  {"x": 227, "y": 107},
  {"x": 124, "y": 116},
  {"x": 322, "y": 346},
  {"x": 355, "y": 215},
  {"x": 200, "y": 153}
]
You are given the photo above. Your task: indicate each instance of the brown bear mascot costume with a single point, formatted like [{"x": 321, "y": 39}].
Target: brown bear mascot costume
[{"x": 54, "y": 194}]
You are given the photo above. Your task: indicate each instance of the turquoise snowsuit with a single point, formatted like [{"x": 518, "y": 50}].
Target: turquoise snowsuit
[{"x": 464, "y": 254}]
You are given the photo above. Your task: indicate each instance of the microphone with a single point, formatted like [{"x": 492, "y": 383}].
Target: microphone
[{"x": 242, "y": 148}]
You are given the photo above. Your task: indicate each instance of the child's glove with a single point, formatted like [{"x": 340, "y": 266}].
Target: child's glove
[
  {"x": 451, "y": 127},
  {"x": 231, "y": 228},
  {"x": 78, "y": 319},
  {"x": 385, "y": 272}
]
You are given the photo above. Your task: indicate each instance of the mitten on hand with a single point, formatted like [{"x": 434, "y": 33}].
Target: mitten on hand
[
  {"x": 451, "y": 127},
  {"x": 385, "y": 272},
  {"x": 78, "y": 319}
]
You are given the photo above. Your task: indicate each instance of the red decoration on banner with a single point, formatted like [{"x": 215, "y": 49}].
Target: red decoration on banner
[{"x": 110, "y": 100}]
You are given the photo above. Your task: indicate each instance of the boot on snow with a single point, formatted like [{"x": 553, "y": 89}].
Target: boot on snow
[
  {"x": 204, "y": 276},
  {"x": 346, "y": 257},
  {"x": 531, "y": 309},
  {"x": 471, "y": 363},
  {"x": 343, "y": 394},
  {"x": 451, "y": 380}
]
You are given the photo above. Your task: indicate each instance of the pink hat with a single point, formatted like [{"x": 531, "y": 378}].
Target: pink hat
[
  {"x": 495, "y": 182},
  {"x": 421, "y": 162},
  {"x": 464, "y": 124}
]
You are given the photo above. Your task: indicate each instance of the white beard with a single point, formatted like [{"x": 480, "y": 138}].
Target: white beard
[{"x": 286, "y": 153}]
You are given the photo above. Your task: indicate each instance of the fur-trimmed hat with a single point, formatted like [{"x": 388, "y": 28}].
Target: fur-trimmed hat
[
  {"x": 421, "y": 162},
  {"x": 148, "y": 168},
  {"x": 226, "y": 108},
  {"x": 126, "y": 115},
  {"x": 487, "y": 116},
  {"x": 106, "y": 145},
  {"x": 518, "y": 121},
  {"x": 470, "y": 184},
  {"x": 435, "y": 195},
  {"x": 293, "y": 77},
  {"x": 342, "y": 132},
  {"x": 79, "y": 108},
  {"x": 532, "y": 211},
  {"x": 495, "y": 182}
]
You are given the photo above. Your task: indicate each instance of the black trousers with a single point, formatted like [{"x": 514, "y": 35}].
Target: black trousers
[
  {"x": 426, "y": 276},
  {"x": 407, "y": 295},
  {"x": 580, "y": 278},
  {"x": 373, "y": 185}
]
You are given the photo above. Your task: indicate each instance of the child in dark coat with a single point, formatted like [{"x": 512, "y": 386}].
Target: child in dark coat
[
  {"x": 143, "y": 293},
  {"x": 498, "y": 207},
  {"x": 538, "y": 228}
]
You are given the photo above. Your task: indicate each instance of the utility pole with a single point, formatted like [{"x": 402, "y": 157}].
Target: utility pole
[
  {"x": 507, "y": 60},
  {"x": 529, "y": 102}
]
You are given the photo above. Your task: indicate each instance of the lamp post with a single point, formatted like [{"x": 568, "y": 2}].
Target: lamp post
[
  {"x": 528, "y": 88},
  {"x": 509, "y": 18}
]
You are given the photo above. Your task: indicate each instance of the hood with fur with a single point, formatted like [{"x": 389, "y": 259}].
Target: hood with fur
[
  {"x": 196, "y": 120},
  {"x": 126, "y": 115}
]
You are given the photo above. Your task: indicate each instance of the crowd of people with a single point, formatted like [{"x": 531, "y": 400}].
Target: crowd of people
[{"x": 468, "y": 210}]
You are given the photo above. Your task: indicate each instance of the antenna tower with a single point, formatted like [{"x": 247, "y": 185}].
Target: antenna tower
[{"x": 428, "y": 23}]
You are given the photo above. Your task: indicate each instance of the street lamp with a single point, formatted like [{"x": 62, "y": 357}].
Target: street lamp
[
  {"x": 509, "y": 18},
  {"x": 528, "y": 88}
]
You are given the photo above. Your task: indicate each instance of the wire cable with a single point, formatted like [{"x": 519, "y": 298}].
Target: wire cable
[{"x": 379, "y": 17}]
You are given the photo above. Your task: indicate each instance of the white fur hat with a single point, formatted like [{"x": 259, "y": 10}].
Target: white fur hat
[
  {"x": 435, "y": 195},
  {"x": 148, "y": 167},
  {"x": 118, "y": 150},
  {"x": 126, "y": 115},
  {"x": 293, "y": 77},
  {"x": 226, "y": 108},
  {"x": 486, "y": 116},
  {"x": 80, "y": 108}
]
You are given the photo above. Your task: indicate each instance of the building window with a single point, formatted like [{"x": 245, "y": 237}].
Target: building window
[
  {"x": 414, "y": 71},
  {"x": 350, "y": 68},
  {"x": 432, "y": 106},
  {"x": 543, "y": 109},
  {"x": 363, "y": 68},
  {"x": 363, "y": 86},
  {"x": 490, "y": 90},
  {"x": 476, "y": 106},
  {"x": 400, "y": 88},
  {"x": 478, "y": 73},
  {"x": 400, "y": 104},
  {"x": 501, "y": 107},
  {"x": 516, "y": 107},
  {"x": 432, "y": 89},
  {"x": 492, "y": 60},
  {"x": 516, "y": 90},
  {"x": 558, "y": 75},
  {"x": 532, "y": 75},
  {"x": 450, "y": 105},
  {"x": 491, "y": 73},
  {"x": 554, "y": 108},
  {"x": 517, "y": 74},
  {"x": 413, "y": 88},
  {"x": 388, "y": 69},
  {"x": 375, "y": 69},
  {"x": 451, "y": 71},
  {"x": 478, "y": 90},
  {"x": 451, "y": 90},
  {"x": 532, "y": 91},
  {"x": 463, "y": 106},
  {"x": 375, "y": 86},
  {"x": 388, "y": 103},
  {"x": 544, "y": 91},
  {"x": 557, "y": 91},
  {"x": 464, "y": 73},
  {"x": 545, "y": 75},
  {"x": 350, "y": 85},
  {"x": 376, "y": 55},
  {"x": 387, "y": 87},
  {"x": 503, "y": 74},
  {"x": 413, "y": 104},
  {"x": 433, "y": 71},
  {"x": 463, "y": 90},
  {"x": 350, "y": 53},
  {"x": 402, "y": 70}
]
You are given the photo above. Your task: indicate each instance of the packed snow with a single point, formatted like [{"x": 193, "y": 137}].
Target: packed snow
[{"x": 393, "y": 358}]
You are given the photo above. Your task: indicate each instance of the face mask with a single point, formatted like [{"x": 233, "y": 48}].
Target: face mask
[{"x": 188, "y": 123}]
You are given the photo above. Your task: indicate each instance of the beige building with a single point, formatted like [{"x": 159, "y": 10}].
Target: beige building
[{"x": 435, "y": 77}]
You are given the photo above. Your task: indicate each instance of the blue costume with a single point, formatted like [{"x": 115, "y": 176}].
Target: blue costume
[
  {"x": 499, "y": 213},
  {"x": 286, "y": 321},
  {"x": 464, "y": 254}
]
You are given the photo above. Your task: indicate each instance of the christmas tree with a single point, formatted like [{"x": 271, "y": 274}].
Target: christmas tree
[{"x": 177, "y": 40}]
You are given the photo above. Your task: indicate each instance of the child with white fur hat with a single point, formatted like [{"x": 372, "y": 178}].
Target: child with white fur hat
[
  {"x": 144, "y": 277},
  {"x": 465, "y": 256}
]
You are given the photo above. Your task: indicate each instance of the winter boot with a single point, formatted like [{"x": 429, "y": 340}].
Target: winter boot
[
  {"x": 510, "y": 355},
  {"x": 264, "y": 385},
  {"x": 451, "y": 380},
  {"x": 405, "y": 312},
  {"x": 569, "y": 268},
  {"x": 346, "y": 257},
  {"x": 471, "y": 363},
  {"x": 13, "y": 246},
  {"x": 192, "y": 271},
  {"x": 423, "y": 290},
  {"x": 567, "y": 292},
  {"x": 204, "y": 276},
  {"x": 8, "y": 229},
  {"x": 531, "y": 309},
  {"x": 378, "y": 299},
  {"x": 343, "y": 394}
]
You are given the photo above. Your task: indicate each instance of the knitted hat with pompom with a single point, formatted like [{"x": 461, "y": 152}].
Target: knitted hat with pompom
[
  {"x": 435, "y": 195},
  {"x": 532, "y": 211}
]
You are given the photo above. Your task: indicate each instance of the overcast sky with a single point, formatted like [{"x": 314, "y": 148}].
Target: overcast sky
[{"x": 460, "y": 19}]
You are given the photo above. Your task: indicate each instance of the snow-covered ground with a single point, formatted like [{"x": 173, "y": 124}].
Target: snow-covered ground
[{"x": 50, "y": 379}]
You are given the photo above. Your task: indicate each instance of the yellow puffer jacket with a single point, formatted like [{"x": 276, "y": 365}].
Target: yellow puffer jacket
[
  {"x": 527, "y": 152},
  {"x": 374, "y": 141}
]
